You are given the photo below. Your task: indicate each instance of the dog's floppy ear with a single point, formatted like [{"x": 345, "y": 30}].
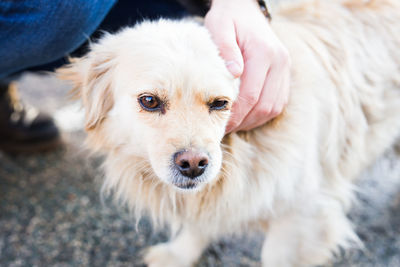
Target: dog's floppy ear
[{"x": 91, "y": 76}]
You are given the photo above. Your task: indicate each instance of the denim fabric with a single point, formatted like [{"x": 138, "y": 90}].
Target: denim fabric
[{"x": 36, "y": 32}]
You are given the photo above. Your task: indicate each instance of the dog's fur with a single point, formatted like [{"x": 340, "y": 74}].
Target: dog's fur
[{"x": 293, "y": 176}]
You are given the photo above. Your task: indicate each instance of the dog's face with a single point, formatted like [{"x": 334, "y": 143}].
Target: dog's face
[{"x": 158, "y": 91}]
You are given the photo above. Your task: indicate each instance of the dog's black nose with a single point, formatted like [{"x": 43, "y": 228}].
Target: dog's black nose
[{"x": 191, "y": 163}]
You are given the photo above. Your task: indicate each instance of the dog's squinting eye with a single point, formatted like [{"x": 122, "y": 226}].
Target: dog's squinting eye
[
  {"x": 150, "y": 103},
  {"x": 218, "y": 104}
]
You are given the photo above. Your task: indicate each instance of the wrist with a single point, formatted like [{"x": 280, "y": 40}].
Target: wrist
[{"x": 259, "y": 4}]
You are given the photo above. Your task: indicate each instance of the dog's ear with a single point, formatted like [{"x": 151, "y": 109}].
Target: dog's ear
[{"x": 91, "y": 77}]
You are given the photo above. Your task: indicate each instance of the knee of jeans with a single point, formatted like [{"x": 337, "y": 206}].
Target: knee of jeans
[
  {"x": 62, "y": 29},
  {"x": 74, "y": 24}
]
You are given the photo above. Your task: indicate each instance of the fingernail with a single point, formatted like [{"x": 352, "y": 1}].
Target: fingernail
[{"x": 234, "y": 68}]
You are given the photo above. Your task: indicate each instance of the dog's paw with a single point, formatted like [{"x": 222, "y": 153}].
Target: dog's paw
[{"x": 162, "y": 256}]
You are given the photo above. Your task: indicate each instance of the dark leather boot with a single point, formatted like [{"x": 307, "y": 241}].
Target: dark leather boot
[{"x": 23, "y": 129}]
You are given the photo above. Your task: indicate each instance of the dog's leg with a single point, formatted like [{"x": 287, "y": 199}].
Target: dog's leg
[
  {"x": 182, "y": 251},
  {"x": 303, "y": 238}
]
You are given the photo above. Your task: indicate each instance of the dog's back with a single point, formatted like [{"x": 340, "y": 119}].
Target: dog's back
[
  {"x": 346, "y": 58},
  {"x": 346, "y": 55}
]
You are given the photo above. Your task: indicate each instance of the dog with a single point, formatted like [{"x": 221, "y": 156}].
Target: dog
[{"x": 157, "y": 98}]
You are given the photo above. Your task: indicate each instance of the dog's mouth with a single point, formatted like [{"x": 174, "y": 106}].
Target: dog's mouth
[{"x": 187, "y": 185}]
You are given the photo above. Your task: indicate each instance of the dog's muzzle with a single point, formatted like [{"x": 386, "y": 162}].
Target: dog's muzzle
[{"x": 190, "y": 164}]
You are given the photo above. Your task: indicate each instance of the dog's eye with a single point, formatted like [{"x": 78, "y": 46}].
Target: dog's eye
[
  {"x": 218, "y": 104},
  {"x": 150, "y": 103}
]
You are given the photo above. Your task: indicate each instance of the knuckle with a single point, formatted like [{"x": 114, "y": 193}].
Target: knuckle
[
  {"x": 285, "y": 103},
  {"x": 284, "y": 56},
  {"x": 234, "y": 121},
  {"x": 262, "y": 47},
  {"x": 251, "y": 99},
  {"x": 224, "y": 44},
  {"x": 268, "y": 53},
  {"x": 260, "y": 42},
  {"x": 233, "y": 124},
  {"x": 276, "y": 110},
  {"x": 270, "y": 111},
  {"x": 286, "y": 59},
  {"x": 264, "y": 111},
  {"x": 279, "y": 55}
]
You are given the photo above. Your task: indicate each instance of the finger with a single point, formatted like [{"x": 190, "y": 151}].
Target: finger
[
  {"x": 270, "y": 103},
  {"x": 224, "y": 35},
  {"x": 250, "y": 90}
]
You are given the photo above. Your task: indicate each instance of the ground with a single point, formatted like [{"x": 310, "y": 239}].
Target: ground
[{"x": 51, "y": 212}]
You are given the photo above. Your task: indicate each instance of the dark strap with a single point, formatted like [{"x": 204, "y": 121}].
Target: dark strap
[{"x": 264, "y": 9}]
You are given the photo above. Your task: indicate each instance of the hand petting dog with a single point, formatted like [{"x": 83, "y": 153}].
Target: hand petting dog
[{"x": 251, "y": 51}]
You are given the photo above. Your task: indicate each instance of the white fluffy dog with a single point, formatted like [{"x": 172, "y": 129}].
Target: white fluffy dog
[{"x": 157, "y": 100}]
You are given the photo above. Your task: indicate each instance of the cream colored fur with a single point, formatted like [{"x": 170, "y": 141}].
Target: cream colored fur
[{"x": 293, "y": 176}]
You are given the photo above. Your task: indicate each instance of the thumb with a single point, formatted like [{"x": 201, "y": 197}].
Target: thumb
[
  {"x": 230, "y": 52},
  {"x": 235, "y": 68},
  {"x": 225, "y": 38}
]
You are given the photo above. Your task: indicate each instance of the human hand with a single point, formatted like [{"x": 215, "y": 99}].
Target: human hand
[{"x": 253, "y": 52}]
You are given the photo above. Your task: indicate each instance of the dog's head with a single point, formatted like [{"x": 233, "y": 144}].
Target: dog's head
[{"x": 159, "y": 91}]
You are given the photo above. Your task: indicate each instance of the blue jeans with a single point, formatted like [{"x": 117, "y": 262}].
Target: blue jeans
[{"x": 37, "y": 32}]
